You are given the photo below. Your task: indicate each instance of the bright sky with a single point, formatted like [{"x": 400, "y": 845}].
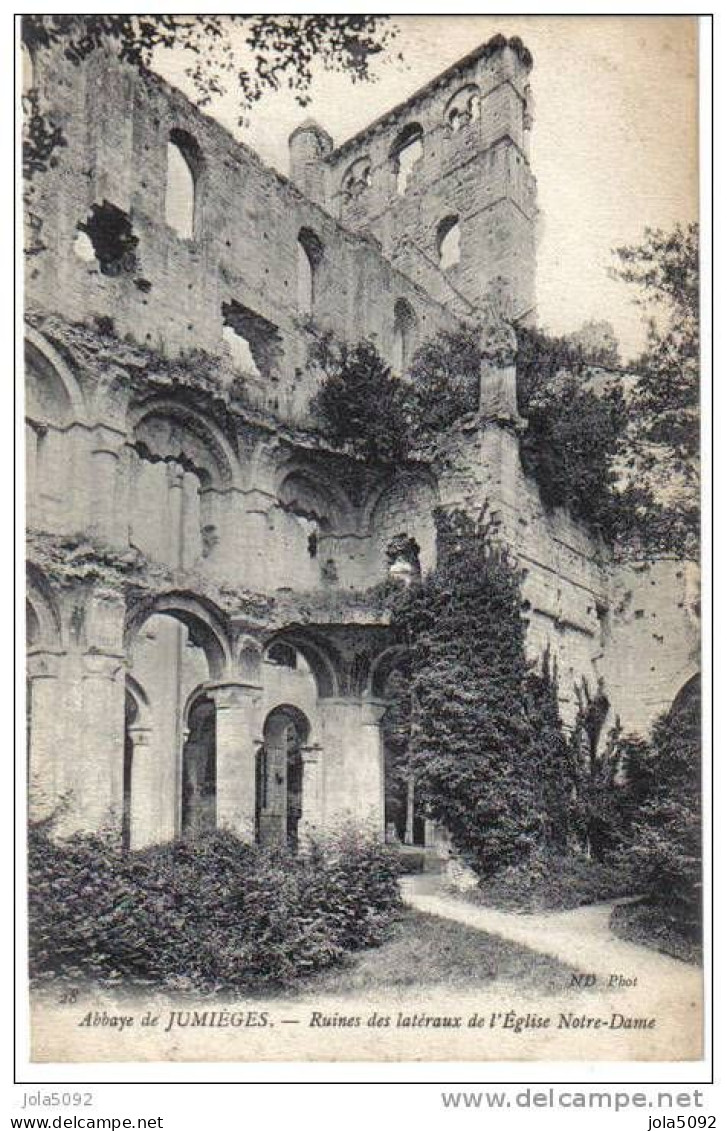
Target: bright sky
[{"x": 614, "y": 143}]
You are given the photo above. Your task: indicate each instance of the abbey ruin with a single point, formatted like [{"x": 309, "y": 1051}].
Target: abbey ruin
[{"x": 201, "y": 647}]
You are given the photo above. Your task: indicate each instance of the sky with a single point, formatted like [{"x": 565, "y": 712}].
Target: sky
[{"x": 614, "y": 145}]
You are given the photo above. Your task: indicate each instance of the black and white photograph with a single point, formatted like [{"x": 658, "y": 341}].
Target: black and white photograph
[{"x": 361, "y": 396}]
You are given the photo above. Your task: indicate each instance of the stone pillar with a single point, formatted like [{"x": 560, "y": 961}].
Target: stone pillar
[
  {"x": 97, "y": 798},
  {"x": 175, "y": 513},
  {"x": 45, "y": 752},
  {"x": 311, "y": 820},
  {"x": 237, "y": 727},
  {"x": 498, "y": 380},
  {"x": 371, "y": 778},
  {"x": 107, "y": 521},
  {"x": 144, "y": 822}
]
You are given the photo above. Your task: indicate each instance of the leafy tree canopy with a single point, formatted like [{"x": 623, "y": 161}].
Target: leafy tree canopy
[
  {"x": 360, "y": 404},
  {"x": 659, "y": 458}
]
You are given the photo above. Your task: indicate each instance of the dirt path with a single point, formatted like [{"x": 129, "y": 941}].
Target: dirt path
[
  {"x": 580, "y": 938},
  {"x": 657, "y": 1016}
]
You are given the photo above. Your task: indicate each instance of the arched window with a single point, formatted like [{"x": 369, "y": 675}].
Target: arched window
[
  {"x": 184, "y": 165},
  {"x": 462, "y": 108},
  {"x": 357, "y": 178},
  {"x": 310, "y": 254},
  {"x": 406, "y": 152},
  {"x": 405, "y": 326},
  {"x": 448, "y": 249}
]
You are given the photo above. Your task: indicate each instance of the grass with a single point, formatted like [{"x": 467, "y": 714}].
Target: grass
[
  {"x": 552, "y": 882},
  {"x": 650, "y": 925},
  {"x": 425, "y": 950}
]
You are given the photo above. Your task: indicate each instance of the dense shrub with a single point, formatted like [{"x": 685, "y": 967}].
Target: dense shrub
[
  {"x": 360, "y": 404},
  {"x": 667, "y": 826},
  {"x": 486, "y": 747},
  {"x": 573, "y": 435},
  {"x": 652, "y": 925},
  {"x": 206, "y": 913},
  {"x": 551, "y": 880}
]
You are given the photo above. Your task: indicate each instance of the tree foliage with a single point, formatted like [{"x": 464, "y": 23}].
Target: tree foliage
[
  {"x": 667, "y": 827},
  {"x": 445, "y": 380},
  {"x": 659, "y": 457},
  {"x": 486, "y": 747},
  {"x": 360, "y": 404},
  {"x": 573, "y": 431},
  {"x": 283, "y": 51}
]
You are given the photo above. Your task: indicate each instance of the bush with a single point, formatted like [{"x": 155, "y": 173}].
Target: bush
[
  {"x": 486, "y": 747},
  {"x": 553, "y": 881},
  {"x": 667, "y": 829},
  {"x": 650, "y": 924},
  {"x": 204, "y": 914},
  {"x": 360, "y": 404}
]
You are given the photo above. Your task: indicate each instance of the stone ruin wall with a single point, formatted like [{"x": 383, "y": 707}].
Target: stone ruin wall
[
  {"x": 597, "y": 619},
  {"x": 244, "y": 249}
]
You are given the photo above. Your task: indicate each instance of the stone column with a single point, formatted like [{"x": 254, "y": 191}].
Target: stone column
[
  {"x": 175, "y": 513},
  {"x": 371, "y": 776},
  {"x": 107, "y": 522},
  {"x": 311, "y": 820},
  {"x": 237, "y": 727},
  {"x": 45, "y": 751},
  {"x": 144, "y": 824},
  {"x": 97, "y": 798}
]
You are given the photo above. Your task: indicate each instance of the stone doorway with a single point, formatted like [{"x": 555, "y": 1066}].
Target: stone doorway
[
  {"x": 279, "y": 777},
  {"x": 199, "y": 770}
]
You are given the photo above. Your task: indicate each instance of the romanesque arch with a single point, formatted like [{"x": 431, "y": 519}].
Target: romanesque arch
[
  {"x": 182, "y": 465},
  {"x": 53, "y": 402},
  {"x": 204, "y": 622},
  {"x": 53, "y": 395},
  {"x": 322, "y": 658},
  {"x": 42, "y": 612},
  {"x": 279, "y": 776},
  {"x": 403, "y": 506}
]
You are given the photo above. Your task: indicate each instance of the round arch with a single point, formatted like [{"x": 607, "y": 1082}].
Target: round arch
[
  {"x": 289, "y": 713},
  {"x": 323, "y": 660},
  {"x": 295, "y": 473},
  {"x": 204, "y": 621},
  {"x": 382, "y": 667},
  {"x": 47, "y": 364},
  {"x": 44, "y": 609},
  {"x": 218, "y": 457},
  {"x": 417, "y": 479},
  {"x": 689, "y": 693}
]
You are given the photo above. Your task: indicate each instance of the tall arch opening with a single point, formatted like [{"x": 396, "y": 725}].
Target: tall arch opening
[
  {"x": 448, "y": 242},
  {"x": 199, "y": 770},
  {"x": 176, "y": 647},
  {"x": 279, "y": 777},
  {"x": 184, "y": 165},
  {"x": 181, "y": 466},
  {"x": 406, "y": 153},
  {"x": 310, "y": 256},
  {"x": 405, "y": 333}
]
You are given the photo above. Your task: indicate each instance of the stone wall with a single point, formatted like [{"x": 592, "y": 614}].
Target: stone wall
[
  {"x": 473, "y": 124},
  {"x": 239, "y": 265}
]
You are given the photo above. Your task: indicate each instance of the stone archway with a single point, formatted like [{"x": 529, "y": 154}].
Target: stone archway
[
  {"x": 199, "y": 769},
  {"x": 279, "y": 777},
  {"x": 178, "y": 648}
]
